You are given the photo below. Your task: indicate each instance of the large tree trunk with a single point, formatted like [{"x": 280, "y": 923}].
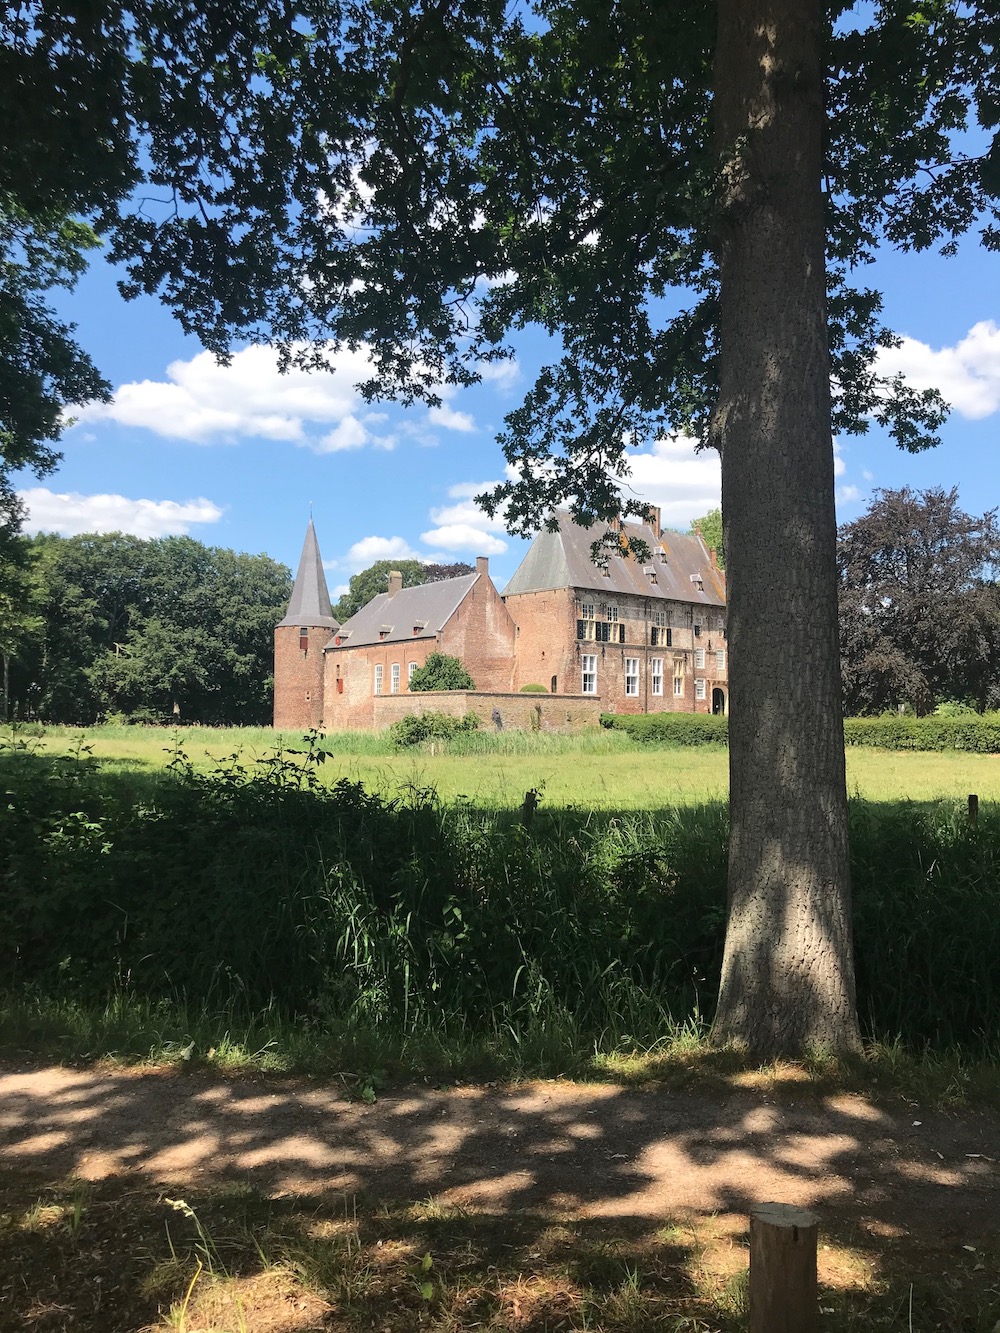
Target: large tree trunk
[{"x": 788, "y": 972}]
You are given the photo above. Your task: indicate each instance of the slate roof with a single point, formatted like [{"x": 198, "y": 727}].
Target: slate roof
[
  {"x": 680, "y": 562},
  {"x": 426, "y": 607},
  {"x": 310, "y": 602}
]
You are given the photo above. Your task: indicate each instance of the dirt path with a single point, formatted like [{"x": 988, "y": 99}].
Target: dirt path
[{"x": 593, "y": 1150}]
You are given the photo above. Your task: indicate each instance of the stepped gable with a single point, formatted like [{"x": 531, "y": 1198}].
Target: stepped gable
[
  {"x": 310, "y": 600},
  {"x": 419, "y": 612},
  {"x": 681, "y": 562}
]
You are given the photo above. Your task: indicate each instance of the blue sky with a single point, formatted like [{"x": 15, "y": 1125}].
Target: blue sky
[{"x": 234, "y": 456}]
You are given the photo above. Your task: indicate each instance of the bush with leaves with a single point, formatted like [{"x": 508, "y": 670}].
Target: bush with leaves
[
  {"x": 441, "y": 672},
  {"x": 413, "y": 728}
]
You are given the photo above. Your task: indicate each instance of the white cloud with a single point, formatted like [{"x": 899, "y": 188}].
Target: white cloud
[
  {"x": 369, "y": 549},
  {"x": 349, "y": 434},
  {"x": 204, "y": 403},
  {"x": 464, "y": 537},
  {"x": 839, "y": 466},
  {"x": 968, "y": 374},
  {"x": 450, "y": 419},
  {"x": 71, "y": 513},
  {"x": 683, "y": 484},
  {"x": 463, "y": 526},
  {"x": 847, "y": 494}
]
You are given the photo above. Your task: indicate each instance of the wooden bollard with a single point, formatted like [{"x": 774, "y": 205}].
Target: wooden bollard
[
  {"x": 973, "y": 807},
  {"x": 783, "y": 1289}
]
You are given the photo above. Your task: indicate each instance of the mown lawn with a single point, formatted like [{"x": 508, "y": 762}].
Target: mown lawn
[{"x": 600, "y": 770}]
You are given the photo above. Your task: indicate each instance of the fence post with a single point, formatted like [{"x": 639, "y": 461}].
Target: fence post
[
  {"x": 783, "y": 1288},
  {"x": 973, "y": 807}
]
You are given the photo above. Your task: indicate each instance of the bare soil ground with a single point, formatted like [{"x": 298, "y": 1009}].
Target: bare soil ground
[{"x": 886, "y": 1179}]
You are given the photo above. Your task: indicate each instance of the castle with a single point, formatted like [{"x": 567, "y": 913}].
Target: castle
[{"x": 622, "y": 638}]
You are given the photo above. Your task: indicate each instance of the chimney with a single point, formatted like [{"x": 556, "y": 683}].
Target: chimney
[
  {"x": 483, "y": 565},
  {"x": 713, "y": 557},
  {"x": 653, "y": 518},
  {"x": 395, "y": 582}
]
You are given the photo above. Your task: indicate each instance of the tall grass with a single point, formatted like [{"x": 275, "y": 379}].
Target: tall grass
[{"x": 257, "y": 889}]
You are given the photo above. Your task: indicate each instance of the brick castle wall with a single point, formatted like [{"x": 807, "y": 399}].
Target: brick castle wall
[
  {"x": 481, "y": 633},
  {"x": 519, "y": 712},
  {"x": 548, "y": 647}
]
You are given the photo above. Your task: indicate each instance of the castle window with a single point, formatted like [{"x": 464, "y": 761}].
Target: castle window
[
  {"x": 699, "y": 659},
  {"x": 720, "y": 660},
  {"x": 377, "y": 687},
  {"x": 678, "y": 686},
  {"x": 631, "y": 675},
  {"x": 589, "y": 662},
  {"x": 410, "y": 668},
  {"x": 587, "y": 611},
  {"x": 656, "y": 675},
  {"x": 699, "y": 688},
  {"x": 304, "y": 638},
  {"x": 611, "y": 613},
  {"x": 658, "y": 617},
  {"x": 697, "y": 630},
  {"x": 394, "y": 678}
]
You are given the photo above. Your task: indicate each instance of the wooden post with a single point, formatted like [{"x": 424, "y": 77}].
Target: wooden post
[
  {"x": 783, "y": 1293},
  {"x": 973, "y": 807}
]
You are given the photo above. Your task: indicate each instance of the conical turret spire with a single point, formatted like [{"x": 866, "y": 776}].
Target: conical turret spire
[{"x": 310, "y": 603}]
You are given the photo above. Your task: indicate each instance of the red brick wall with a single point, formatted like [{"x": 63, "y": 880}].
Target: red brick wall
[
  {"x": 483, "y": 635},
  {"x": 519, "y": 712},
  {"x": 351, "y": 706},
  {"x": 298, "y": 677}
]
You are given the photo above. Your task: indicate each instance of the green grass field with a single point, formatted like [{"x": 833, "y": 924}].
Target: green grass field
[{"x": 600, "y": 770}]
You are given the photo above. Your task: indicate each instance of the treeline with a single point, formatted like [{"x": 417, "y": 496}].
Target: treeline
[{"x": 101, "y": 626}]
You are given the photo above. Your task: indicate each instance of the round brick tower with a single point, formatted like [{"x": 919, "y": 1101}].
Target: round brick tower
[{"x": 299, "y": 640}]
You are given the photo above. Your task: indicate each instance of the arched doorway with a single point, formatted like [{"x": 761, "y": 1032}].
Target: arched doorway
[{"x": 718, "y": 701}]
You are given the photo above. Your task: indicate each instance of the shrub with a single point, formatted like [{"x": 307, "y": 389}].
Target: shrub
[
  {"x": 414, "y": 728},
  {"x": 671, "y": 728},
  {"x": 441, "y": 672},
  {"x": 533, "y": 689},
  {"x": 891, "y": 731}
]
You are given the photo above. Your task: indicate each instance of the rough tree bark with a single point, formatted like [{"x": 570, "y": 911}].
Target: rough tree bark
[{"x": 788, "y": 971}]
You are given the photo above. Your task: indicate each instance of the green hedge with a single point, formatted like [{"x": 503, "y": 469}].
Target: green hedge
[
  {"x": 671, "y": 728},
  {"x": 890, "y": 731},
  {"x": 976, "y": 732}
]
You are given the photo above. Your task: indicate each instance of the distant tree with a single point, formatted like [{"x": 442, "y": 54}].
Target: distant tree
[
  {"x": 919, "y": 618},
  {"x": 710, "y": 528},
  {"x": 441, "y": 672},
  {"x": 375, "y": 579},
  {"x": 137, "y": 627}
]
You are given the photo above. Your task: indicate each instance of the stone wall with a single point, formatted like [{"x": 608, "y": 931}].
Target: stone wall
[{"x": 519, "y": 712}]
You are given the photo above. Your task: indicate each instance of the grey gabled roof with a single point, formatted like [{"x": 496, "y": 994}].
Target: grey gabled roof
[
  {"x": 561, "y": 559},
  {"x": 426, "y": 608},
  {"x": 310, "y": 603}
]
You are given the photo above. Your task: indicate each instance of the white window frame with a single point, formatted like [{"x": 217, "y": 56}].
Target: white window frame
[
  {"x": 659, "y": 619},
  {"x": 632, "y": 677},
  {"x": 377, "y": 682},
  {"x": 589, "y": 673},
  {"x": 410, "y": 668},
  {"x": 394, "y": 678},
  {"x": 656, "y": 675},
  {"x": 720, "y": 660},
  {"x": 699, "y": 688},
  {"x": 699, "y": 659},
  {"x": 587, "y": 610},
  {"x": 611, "y": 614}
]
